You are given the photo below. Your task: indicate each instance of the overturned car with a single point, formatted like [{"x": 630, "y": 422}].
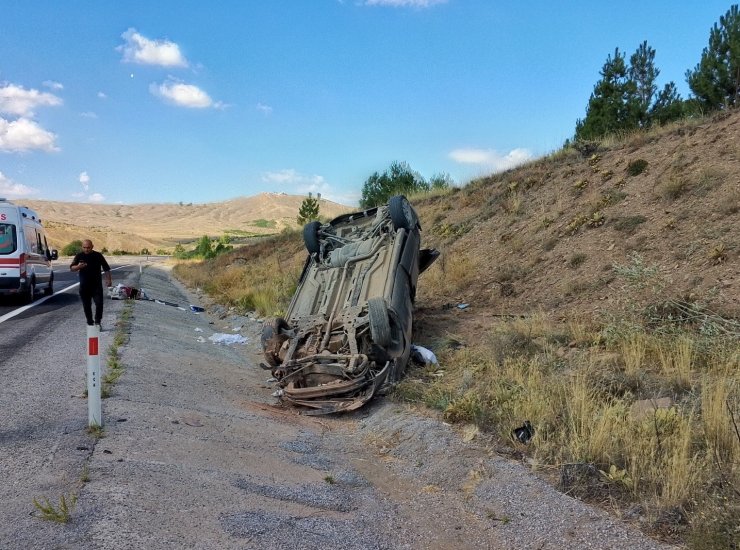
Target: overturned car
[{"x": 347, "y": 330}]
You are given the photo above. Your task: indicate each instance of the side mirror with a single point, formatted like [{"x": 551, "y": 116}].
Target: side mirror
[{"x": 54, "y": 254}]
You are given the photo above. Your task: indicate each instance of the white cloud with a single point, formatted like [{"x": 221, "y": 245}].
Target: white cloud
[
  {"x": 96, "y": 197},
  {"x": 264, "y": 109},
  {"x": 140, "y": 49},
  {"x": 88, "y": 114},
  {"x": 53, "y": 85},
  {"x": 491, "y": 159},
  {"x": 405, "y": 3},
  {"x": 291, "y": 181},
  {"x": 25, "y": 135},
  {"x": 17, "y": 101},
  {"x": 300, "y": 182},
  {"x": 102, "y": 95},
  {"x": 85, "y": 180},
  {"x": 183, "y": 95},
  {"x": 282, "y": 176},
  {"x": 11, "y": 189}
]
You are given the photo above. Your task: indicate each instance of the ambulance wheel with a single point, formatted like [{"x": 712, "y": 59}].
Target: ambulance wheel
[
  {"x": 31, "y": 294},
  {"x": 49, "y": 290}
]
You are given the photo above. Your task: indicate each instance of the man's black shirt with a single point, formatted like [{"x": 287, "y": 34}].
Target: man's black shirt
[{"x": 90, "y": 276}]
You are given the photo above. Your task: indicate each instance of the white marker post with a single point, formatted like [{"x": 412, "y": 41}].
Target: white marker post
[{"x": 94, "y": 412}]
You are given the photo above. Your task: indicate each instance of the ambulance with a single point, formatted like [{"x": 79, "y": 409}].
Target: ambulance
[{"x": 25, "y": 256}]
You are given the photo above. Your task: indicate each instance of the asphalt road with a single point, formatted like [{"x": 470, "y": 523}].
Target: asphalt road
[
  {"x": 65, "y": 283},
  {"x": 43, "y": 420}
]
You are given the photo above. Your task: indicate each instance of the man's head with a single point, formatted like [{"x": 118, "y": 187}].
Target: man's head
[{"x": 87, "y": 245}]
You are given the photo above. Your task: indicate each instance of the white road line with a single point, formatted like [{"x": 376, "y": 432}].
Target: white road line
[{"x": 20, "y": 310}]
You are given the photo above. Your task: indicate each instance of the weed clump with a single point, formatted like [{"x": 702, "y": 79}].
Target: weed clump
[
  {"x": 636, "y": 167},
  {"x": 58, "y": 514}
]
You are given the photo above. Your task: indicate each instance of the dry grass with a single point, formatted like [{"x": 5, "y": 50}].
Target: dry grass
[
  {"x": 580, "y": 407},
  {"x": 261, "y": 277},
  {"x": 450, "y": 273}
]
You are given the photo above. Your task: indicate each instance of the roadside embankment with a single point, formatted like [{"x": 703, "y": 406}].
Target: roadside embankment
[{"x": 196, "y": 454}]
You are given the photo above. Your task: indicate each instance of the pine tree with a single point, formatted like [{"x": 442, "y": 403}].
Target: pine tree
[
  {"x": 309, "y": 210},
  {"x": 667, "y": 106},
  {"x": 625, "y": 98},
  {"x": 643, "y": 72},
  {"x": 715, "y": 81},
  {"x": 607, "y": 111}
]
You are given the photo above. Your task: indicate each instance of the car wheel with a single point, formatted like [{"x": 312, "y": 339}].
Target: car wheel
[
  {"x": 311, "y": 236},
  {"x": 49, "y": 290},
  {"x": 401, "y": 212},
  {"x": 380, "y": 328},
  {"x": 272, "y": 339},
  {"x": 31, "y": 294}
]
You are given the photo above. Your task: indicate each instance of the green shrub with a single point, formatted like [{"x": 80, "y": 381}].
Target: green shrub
[
  {"x": 636, "y": 167},
  {"x": 629, "y": 224},
  {"x": 72, "y": 248},
  {"x": 576, "y": 260}
]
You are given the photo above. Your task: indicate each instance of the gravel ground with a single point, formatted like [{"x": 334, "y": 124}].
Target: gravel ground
[{"x": 197, "y": 454}]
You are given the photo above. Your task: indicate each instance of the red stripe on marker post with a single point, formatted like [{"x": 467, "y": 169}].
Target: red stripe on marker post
[{"x": 92, "y": 346}]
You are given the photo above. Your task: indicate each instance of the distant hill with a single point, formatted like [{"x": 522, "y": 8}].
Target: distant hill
[{"x": 162, "y": 226}]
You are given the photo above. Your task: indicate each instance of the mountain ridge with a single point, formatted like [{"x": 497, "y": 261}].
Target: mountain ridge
[{"x": 161, "y": 226}]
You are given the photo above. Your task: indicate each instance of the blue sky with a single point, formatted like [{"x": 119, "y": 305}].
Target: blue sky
[{"x": 169, "y": 101}]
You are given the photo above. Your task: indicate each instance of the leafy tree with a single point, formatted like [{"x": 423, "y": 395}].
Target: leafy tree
[
  {"x": 72, "y": 248},
  {"x": 309, "y": 210},
  {"x": 715, "y": 81},
  {"x": 398, "y": 179},
  {"x": 204, "y": 248},
  {"x": 441, "y": 181}
]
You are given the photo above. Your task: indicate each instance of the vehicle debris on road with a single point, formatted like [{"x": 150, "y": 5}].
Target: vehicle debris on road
[{"x": 227, "y": 339}]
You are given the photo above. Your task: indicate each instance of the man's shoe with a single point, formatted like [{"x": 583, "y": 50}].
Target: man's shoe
[{"x": 100, "y": 328}]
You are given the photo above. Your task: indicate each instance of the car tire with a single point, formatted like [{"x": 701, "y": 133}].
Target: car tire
[
  {"x": 402, "y": 214},
  {"x": 311, "y": 236},
  {"x": 380, "y": 327},
  {"x": 49, "y": 290},
  {"x": 272, "y": 339}
]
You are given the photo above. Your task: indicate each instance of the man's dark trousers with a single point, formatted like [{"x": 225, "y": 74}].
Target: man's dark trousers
[{"x": 89, "y": 295}]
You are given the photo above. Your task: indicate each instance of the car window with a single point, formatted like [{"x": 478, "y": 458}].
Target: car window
[
  {"x": 7, "y": 238},
  {"x": 30, "y": 236}
]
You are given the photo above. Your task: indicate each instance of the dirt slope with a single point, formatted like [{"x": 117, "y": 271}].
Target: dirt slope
[
  {"x": 136, "y": 226},
  {"x": 547, "y": 236}
]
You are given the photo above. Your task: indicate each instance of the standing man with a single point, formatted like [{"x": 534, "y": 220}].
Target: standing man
[{"x": 89, "y": 264}]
